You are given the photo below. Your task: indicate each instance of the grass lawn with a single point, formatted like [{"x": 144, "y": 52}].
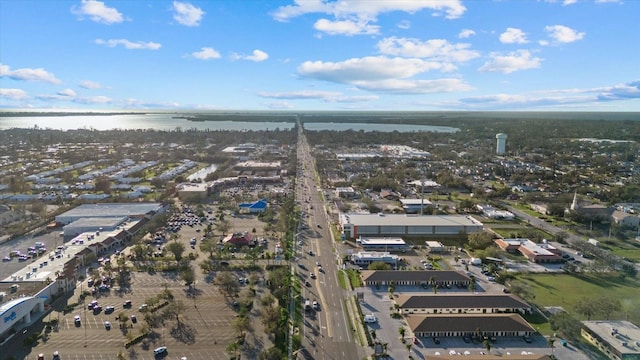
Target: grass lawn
[
  {"x": 566, "y": 290},
  {"x": 354, "y": 278}
]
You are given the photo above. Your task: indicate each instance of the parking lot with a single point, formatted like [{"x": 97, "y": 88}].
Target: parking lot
[{"x": 206, "y": 323}]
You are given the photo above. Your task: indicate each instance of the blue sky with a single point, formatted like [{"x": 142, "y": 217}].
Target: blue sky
[{"x": 418, "y": 55}]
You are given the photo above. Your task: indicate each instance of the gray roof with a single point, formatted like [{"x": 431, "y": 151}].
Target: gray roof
[
  {"x": 417, "y": 275},
  {"x": 461, "y": 301},
  {"x": 112, "y": 210},
  {"x": 467, "y": 322},
  {"x": 409, "y": 220}
]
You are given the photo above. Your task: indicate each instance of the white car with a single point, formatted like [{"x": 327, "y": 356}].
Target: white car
[{"x": 160, "y": 350}]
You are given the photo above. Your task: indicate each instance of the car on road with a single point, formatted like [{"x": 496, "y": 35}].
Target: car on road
[{"x": 107, "y": 325}]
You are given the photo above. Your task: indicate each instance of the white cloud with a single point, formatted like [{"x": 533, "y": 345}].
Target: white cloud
[
  {"x": 466, "y": 33},
  {"x": 257, "y": 56},
  {"x": 206, "y": 53},
  {"x": 435, "y": 49},
  {"x": 404, "y": 24},
  {"x": 346, "y": 27},
  {"x": 354, "y": 17},
  {"x": 97, "y": 11},
  {"x": 365, "y": 69},
  {"x": 28, "y": 74},
  {"x": 13, "y": 94},
  {"x": 137, "y": 45},
  {"x": 403, "y": 86},
  {"x": 93, "y": 100},
  {"x": 513, "y": 36},
  {"x": 564, "y": 97},
  {"x": 67, "y": 92},
  {"x": 279, "y": 105},
  {"x": 514, "y": 61},
  {"x": 327, "y": 96},
  {"x": 187, "y": 14},
  {"x": 569, "y": 2},
  {"x": 563, "y": 34},
  {"x": 382, "y": 74},
  {"x": 88, "y": 84}
]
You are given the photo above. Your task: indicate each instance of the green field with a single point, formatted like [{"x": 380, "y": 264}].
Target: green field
[{"x": 566, "y": 290}]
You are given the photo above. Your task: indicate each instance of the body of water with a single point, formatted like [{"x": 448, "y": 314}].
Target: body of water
[
  {"x": 167, "y": 122},
  {"x": 164, "y": 122}
]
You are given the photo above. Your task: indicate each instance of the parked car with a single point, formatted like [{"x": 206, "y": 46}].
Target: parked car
[
  {"x": 127, "y": 304},
  {"x": 107, "y": 325},
  {"x": 134, "y": 319},
  {"x": 109, "y": 309}
]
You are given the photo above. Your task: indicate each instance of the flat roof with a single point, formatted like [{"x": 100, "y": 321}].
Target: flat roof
[
  {"x": 415, "y": 202},
  {"x": 615, "y": 333},
  {"x": 381, "y": 241},
  {"x": 461, "y": 301},
  {"x": 111, "y": 221},
  {"x": 409, "y": 220},
  {"x": 375, "y": 255},
  {"x": 113, "y": 209},
  {"x": 468, "y": 322},
  {"x": 413, "y": 275}
]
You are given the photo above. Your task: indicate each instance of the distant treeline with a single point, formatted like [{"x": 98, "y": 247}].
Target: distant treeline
[{"x": 50, "y": 113}]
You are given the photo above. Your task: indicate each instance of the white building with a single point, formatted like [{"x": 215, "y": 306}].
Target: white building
[
  {"x": 501, "y": 143},
  {"x": 364, "y": 258},
  {"x": 382, "y": 243}
]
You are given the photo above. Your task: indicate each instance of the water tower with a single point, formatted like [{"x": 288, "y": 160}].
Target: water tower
[{"x": 501, "y": 144}]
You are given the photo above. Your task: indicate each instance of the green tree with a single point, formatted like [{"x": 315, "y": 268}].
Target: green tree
[
  {"x": 177, "y": 249},
  {"x": 379, "y": 265},
  {"x": 209, "y": 246},
  {"x": 188, "y": 275},
  {"x": 480, "y": 240},
  {"x": 227, "y": 283},
  {"x": 402, "y": 330},
  {"x": 272, "y": 353}
]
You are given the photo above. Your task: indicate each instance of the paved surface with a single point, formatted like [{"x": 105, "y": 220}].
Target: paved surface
[
  {"x": 377, "y": 301},
  {"x": 326, "y": 333}
]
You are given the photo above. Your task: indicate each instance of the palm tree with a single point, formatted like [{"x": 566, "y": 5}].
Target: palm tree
[
  {"x": 402, "y": 331},
  {"x": 550, "y": 343}
]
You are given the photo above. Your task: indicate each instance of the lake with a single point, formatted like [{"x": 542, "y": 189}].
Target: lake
[{"x": 167, "y": 122}]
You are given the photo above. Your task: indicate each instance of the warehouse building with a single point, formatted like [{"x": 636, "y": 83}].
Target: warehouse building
[
  {"x": 459, "y": 325},
  {"x": 131, "y": 210},
  {"x": 372, "y": 225}
]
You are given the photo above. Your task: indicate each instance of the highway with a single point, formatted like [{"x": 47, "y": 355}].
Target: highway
[{"x": 326, "y": 332}]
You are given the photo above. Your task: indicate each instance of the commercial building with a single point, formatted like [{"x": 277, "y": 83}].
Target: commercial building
[
  {"x": 415, "y": 206},
  {"x": 131, "y": 210},
  {"x": 535, "y": 252},
  {"x": 254, "y": 207},
  {"x": 382, "y": 243},
  {"x": 617, "y": 340},
  {"x": 364, "y": 258},
  {"x": 435, "y": 246},
  {"x": 192, "y": 191},
  {"x": 415, "y": 278},
  {"x": 458, "y": 325},
  {"x": 461, "y": 304},
  {"x": 354, "y": 225}
]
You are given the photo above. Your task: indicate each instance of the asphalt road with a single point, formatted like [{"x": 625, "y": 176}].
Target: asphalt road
[{"x": 326, "y": 332}]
